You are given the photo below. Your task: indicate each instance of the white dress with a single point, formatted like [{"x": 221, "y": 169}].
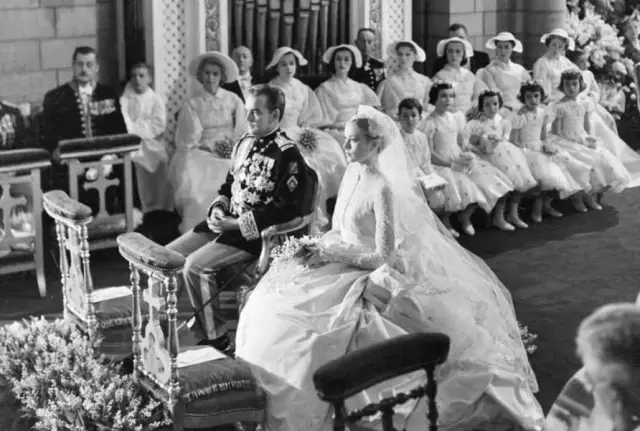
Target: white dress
[
  {"x": 505, "y": 156},
  {"x": 419, "y": 160},
  {"x": 466, "y": 85},
  {"x": 593, "y": 92},
  {"x": 197, "y": 171},
  {"x": 608, "y": 171},
  {"x": 339, "y": 99},
  {"x": 508, "y": 78},
  {"x": 300, "y": 318},
  {"x": 146, "y": 116},
  {"x": 548, "y": 71},
  {"x": 303, "y": 111},
  {"x": 402, "y": 85}
]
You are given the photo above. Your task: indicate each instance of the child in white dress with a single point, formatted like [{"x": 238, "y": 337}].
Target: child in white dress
[
  {"x": 466, "y": 85},
  {"x": 418, "y": 153},
  {"x": 145, "y": 115},
  {"x": 554, "y": 169},
  {"x": 405, "y": 82},
  {"x": 572, "y": 131},
  {"x": 472, "y": 182},
  {"x": 489, "y": 135}
]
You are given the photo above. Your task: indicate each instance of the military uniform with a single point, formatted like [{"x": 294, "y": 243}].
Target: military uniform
[
  {"x": 265, "y": 186},
  {"x": 371, "y": 73}
]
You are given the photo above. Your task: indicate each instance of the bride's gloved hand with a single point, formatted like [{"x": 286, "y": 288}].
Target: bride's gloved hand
[{"x": 315, "y": 256}]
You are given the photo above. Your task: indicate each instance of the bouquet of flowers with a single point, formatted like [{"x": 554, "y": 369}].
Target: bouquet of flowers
[
  {"x": 292, "y": 250},
  {"x": 308, "y": 140},
  {"x": 223, "y": 147},
  {"x": 528, "y": 339}
]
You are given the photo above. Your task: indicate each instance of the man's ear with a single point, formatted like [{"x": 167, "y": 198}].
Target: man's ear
[{"x": 276, "y": 114}]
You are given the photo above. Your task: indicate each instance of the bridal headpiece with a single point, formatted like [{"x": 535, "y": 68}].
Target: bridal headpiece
[{"x": 374, "y": 130}]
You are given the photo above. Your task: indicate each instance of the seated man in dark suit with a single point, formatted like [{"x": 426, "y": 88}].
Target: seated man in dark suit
[
  {"x": 372, "y": 71},
  {"x": 82, "y": 108},
  {"x": 479, "y": 60},
  {"x": 243, "y": 57}
]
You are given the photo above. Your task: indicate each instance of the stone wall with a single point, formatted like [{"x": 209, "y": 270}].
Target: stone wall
[{"x": 37, "y": 39}]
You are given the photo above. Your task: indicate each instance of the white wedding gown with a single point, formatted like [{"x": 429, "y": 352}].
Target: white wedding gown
[{"x": 299, "y": 318}]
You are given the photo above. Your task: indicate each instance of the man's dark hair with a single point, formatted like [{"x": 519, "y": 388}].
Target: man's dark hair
[
  {"x": 274, "y": 95},
  {"x": 365, "y": 29},
  {"x": 83, "y": 50},
  {"x": 457, "y": 26},
  {"x": 410, "y": 103}
]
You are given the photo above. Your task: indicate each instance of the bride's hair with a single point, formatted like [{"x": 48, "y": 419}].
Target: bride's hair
[{"x": 370, "y": 128}]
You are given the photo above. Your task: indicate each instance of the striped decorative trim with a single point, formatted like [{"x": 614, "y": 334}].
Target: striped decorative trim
[
  {"x": 222, "y": 201},
  {"x": 248, "y": 226},
  {"x": 215, "y": 388}
]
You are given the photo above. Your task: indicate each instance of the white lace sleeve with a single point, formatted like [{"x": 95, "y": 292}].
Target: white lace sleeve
[{"x": 369, "y": 258}]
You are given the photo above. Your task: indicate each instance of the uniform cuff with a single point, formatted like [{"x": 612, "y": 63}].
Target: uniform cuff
[
  {"x": 248, "y": 226},
  {"x": 222, "y": 202}
]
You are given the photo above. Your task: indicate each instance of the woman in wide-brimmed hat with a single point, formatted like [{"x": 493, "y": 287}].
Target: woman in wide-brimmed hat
[
  {"x": 465, "y": 83},
  {"x": 405, "y": 82},
  {"x": 302, "y": 116},
  {"x": 548, "y": 68},
  {"x": 340, "y": 95},
  {"x": 504, "y": 74},
  {"x": 208, "y": 125}
]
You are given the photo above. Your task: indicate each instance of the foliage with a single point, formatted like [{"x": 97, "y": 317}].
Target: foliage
[
  {"x": 224, "y": 147},
  {"x": 528, "y": 339},
  {"x": 63, "y": 383}
]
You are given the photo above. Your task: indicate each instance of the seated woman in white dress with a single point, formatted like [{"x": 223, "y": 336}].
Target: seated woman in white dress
[
  {"x": 466, "y": 85},
  {"x": 209, "y": 124},
  {"x": 340, "y": 95},
  {"x": 503, "y": 74},
  {"x": 406, "y": 82},
  {"x": 302, "y": 111},
  {"x": 385, "y": 270}
]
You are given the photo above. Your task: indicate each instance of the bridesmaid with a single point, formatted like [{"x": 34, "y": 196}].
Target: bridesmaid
[
  {"x": 548, "y": 68},
  {"x": 340, "y": 95},
  {"x": 504, "y": 74},
  {"x": 465, "y": 83},
  {"x": 209, "y": 124},
  {"x": 406, "y": 82},
  {"x": 302, "y": 112}
]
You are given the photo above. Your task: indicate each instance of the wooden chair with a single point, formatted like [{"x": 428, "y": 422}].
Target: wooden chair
[
  {"x": 364, "y": 368},
  {"x": 85, "y": 153},
  {"x": 203, "y": 387},
  {"x": 105, "y": 312},
  {"x": 22, "y": 168}
]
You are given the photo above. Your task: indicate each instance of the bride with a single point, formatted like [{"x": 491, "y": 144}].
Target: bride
[{"x": 385, "y": 270}]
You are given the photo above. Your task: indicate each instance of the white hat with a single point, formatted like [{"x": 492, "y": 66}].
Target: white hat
[
  {"x": 420, "y": 54},
  {"x": 230, "y": 67},
  {"x": 562, "y": 34},
  {"x": 284, "y": 50},
  {"x": 357, "y": 56},
  {"x": 442, "y": 45},
  {"x": 504, "y": 36}
]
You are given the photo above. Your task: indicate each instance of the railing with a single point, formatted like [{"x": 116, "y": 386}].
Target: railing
[{"x": 310, "y": 26}]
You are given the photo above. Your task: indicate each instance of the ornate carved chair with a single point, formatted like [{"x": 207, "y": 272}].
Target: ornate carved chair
[
  {"x": 364, "y": 368},
  {"x": 21, "y": 168},
  {"x": 105, "y": 312},
  {"x": 203, "y": 387},
  {"x": 80, "y": 155}
]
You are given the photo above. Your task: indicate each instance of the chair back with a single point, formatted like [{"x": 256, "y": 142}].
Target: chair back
[
  {"x": 636, "y": 79},
  {"x": 361, "y": 369},
  {"x": 71, "y": 221},
  {"x": 154, "y": 354}
]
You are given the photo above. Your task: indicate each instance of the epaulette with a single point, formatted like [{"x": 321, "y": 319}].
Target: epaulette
[{"x": 283, "y": 141}]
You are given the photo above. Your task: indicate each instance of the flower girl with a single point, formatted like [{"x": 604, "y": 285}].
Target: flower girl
[
  {"x": 554, "y": 169},
  {"x": 489, "y": 135},
  {"x": 418, "y": 153},
  {"x": 572, "y": 131},
  {"x": 473, "y": 182}
]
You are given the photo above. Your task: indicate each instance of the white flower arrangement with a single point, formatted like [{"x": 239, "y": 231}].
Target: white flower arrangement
[
  {"x": 528, "y": 339},
  {"x": 292, "y": 250},
  {"x": 63, "y": 383}
]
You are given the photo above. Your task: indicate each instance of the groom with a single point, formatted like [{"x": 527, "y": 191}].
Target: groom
[{"x": 265, "y": 186}]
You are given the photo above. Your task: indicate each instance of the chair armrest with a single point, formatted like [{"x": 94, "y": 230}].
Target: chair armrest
[
  {"x": 141, "y": 251},
  {"x": 61, "y": 207},
  {"x": 28, "y": 158},
  {"x": 363, "y": 368},
  {"x": 97, "y": 146}
]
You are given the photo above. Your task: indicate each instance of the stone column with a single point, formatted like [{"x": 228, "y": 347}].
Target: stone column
[
  {"x": 392, "y": 20},
  {"x": 540, "y": 16}
]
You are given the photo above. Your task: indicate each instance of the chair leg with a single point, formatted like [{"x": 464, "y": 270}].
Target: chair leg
[{"x": 37, "y": 224}]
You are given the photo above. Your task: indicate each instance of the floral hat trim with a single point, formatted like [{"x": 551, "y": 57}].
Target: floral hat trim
[
  {"x": 357, "y": 56},
  {"x": 562, "y": 34},
  {"x": 504, "y": 36},
  {"x": 284, "y": 50},
  {"x": 442, "y": 45}
]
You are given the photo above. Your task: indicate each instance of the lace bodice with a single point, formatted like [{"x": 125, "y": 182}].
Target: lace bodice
[
  {"x": 340, "y": 99},
  {"x": 571, "y": 114},
  {"x": 443, "y": 134},
  {"x": 302, "y": 106},
  {"x": 528, "y": 125},
  {"x": 507, "y": 77},
  {"x": 465, "y": 83},
  {"x": 363, "y": 222}
]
